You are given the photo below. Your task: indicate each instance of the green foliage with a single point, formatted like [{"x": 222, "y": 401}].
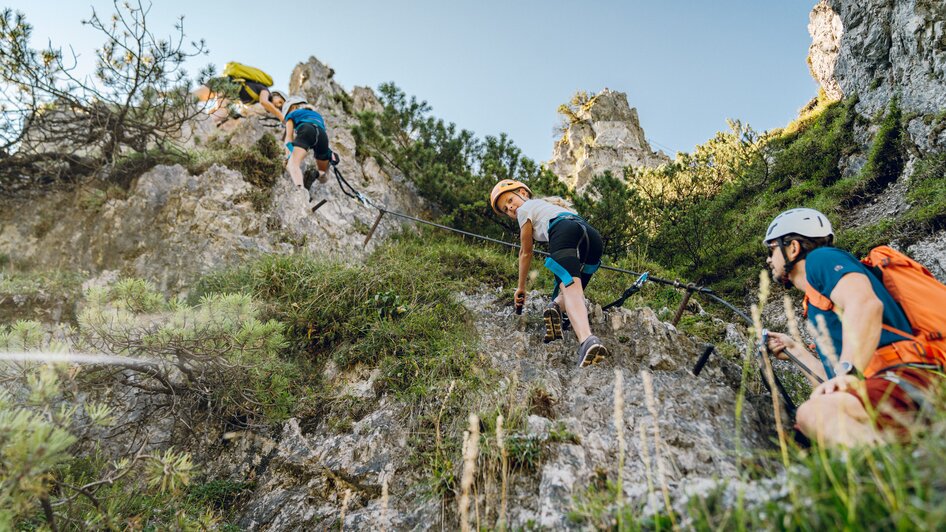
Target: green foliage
[
  {"x": 260, "y": 165},
  {"x": 398, "y": 312},
  {"x": 23, "y": 335},
  {"x": 927, "y": 194},
  {"x": 225, "y": 354},
  {"x": 450, "y": 168},
  {"x": 137, "y": 97},
  {"x": 218, "y": 494},
  {"x": 45, "y": 282},
  {"x": 42, "y": 483},
  {"x": 889, "y": 487},
  {"x": 812, "y": 152},
  {"x": 389, "y": 306},
  {"x": 571, "y": 111},
  {"x": 702, "y": 216},
  {"x": 885, "y": 160},
  {"x": 613, "y": 209}
]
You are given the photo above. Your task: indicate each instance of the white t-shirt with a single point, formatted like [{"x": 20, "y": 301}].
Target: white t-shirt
[{"x": 541, "y": 213}]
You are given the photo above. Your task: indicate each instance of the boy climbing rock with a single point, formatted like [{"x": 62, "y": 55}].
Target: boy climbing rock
[
  {"x": 305, "y": 131},
  {"x": 575, "y": 249}
]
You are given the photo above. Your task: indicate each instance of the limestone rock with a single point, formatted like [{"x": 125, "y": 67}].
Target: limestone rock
[
  {"x": 605, "y": 135},
  {"x": 364, "y": 99},
  {"x": 171, "y": 227},
  {"x": 314, "y": 80},
  {"x": 877, "y": 50},
  {"x": 931, "y": 253},
  {"x": 824, "y": 26}
]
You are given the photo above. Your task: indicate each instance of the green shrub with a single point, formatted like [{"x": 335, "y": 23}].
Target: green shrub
[
  {"x": 44, "y": 484},
  {"x": 451, "y": 168},
  {"x": 889, "y": 487},
  {"x": 260, "y": 165},
  {"x": 216, "y": 351},
  {"x": 885, "y": 160},
  {"x": 813, "y": 151}
]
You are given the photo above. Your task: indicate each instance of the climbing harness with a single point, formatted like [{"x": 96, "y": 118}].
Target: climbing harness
[{"x": 554, "y": 260}]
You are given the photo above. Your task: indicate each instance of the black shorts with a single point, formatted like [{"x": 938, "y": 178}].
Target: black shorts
[
  {"x": 575, "y": 251},
  {"x": 312, "y": 137},
  {"x": 248, "y": 98}
]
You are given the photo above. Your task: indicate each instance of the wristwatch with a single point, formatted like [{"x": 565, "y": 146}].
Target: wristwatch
[{"x": 845, "y": 367}]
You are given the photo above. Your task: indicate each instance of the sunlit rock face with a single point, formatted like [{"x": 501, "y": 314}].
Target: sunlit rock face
[
  {"x": 172, "y": 225},
  {"x": 681, "y": 435},
  {"x": 878, "y": 50},
  {"x": 605, "y": 135}
]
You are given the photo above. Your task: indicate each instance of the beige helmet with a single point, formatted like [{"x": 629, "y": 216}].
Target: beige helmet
[{"x": 506, "y": 185}]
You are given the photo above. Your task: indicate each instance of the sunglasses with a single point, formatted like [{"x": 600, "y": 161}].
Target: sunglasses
[{"x": 775, "y": 245}]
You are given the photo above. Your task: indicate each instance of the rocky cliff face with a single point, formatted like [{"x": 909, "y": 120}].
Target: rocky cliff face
[
  {"x": 604, "y": 135},
  {"x": 303, "y": 472},
  {"x": 879, "y": 49},
  {"x": 172, "y": 226}
]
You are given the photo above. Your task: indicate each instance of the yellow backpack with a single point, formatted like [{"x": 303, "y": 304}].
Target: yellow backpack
[{"x": 240, "y": 72}]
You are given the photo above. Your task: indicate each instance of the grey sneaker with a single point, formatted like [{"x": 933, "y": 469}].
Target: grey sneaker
[
  {"x": 591, "y": 351},
  {"x": 553, "y": 323}
]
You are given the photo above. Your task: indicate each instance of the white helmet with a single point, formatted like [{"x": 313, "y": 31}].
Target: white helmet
[
  {"x": 292, "y": 100},
  {"x": 804, "y": 222}
]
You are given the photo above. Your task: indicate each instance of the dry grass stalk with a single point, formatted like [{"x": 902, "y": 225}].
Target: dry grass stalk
[
  {"x": 471, "y": 441},
  {"x": 658, "y": 457},
  {"x": 823, "y": 339},
  {"x": 504, "y": 457},
  {"x": 383, "y": 525},
  {"x": 619, "y": 429},
  {"x": 794, "y": 331},
  {"x": 345, "y": 500},
  {"x": 764, "y": 288},
  {"x": 792, "y": 322},
  {"x": 443, "y": 406},
  {"x": 645, "y": 457}
]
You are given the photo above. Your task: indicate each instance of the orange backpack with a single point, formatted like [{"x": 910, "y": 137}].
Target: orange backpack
[{"x": 923, "y": 300}]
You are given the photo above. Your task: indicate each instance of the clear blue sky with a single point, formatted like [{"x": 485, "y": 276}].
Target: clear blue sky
[{"x": 505, "y": 66}]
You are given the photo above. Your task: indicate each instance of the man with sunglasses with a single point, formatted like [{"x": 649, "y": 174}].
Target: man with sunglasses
[{"x": 847, "y": 409}]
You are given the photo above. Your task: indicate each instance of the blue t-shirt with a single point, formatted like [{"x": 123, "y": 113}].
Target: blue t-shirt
[
  {"x": 824, "y": 267},
  {"x": 306, "y": 116}
]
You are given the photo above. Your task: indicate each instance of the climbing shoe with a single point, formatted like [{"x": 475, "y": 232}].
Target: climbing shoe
[
  {"x": 553, "y": 323},
  {"x": 591, "y": 351}
]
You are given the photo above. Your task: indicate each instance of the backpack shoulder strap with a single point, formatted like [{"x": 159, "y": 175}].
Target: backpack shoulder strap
[{"x": 817, "y": 299}]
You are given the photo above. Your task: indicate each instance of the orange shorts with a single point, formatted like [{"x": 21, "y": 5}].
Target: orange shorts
[{"x": 892, "y": 404}]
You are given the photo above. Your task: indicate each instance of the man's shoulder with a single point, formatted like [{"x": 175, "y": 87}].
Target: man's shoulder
[
  {"x": 829, "y": 255},
  {"x": 825, "y": 266}
]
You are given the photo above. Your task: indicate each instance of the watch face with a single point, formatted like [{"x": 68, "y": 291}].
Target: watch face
[{"x": 845, "y": 368}]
